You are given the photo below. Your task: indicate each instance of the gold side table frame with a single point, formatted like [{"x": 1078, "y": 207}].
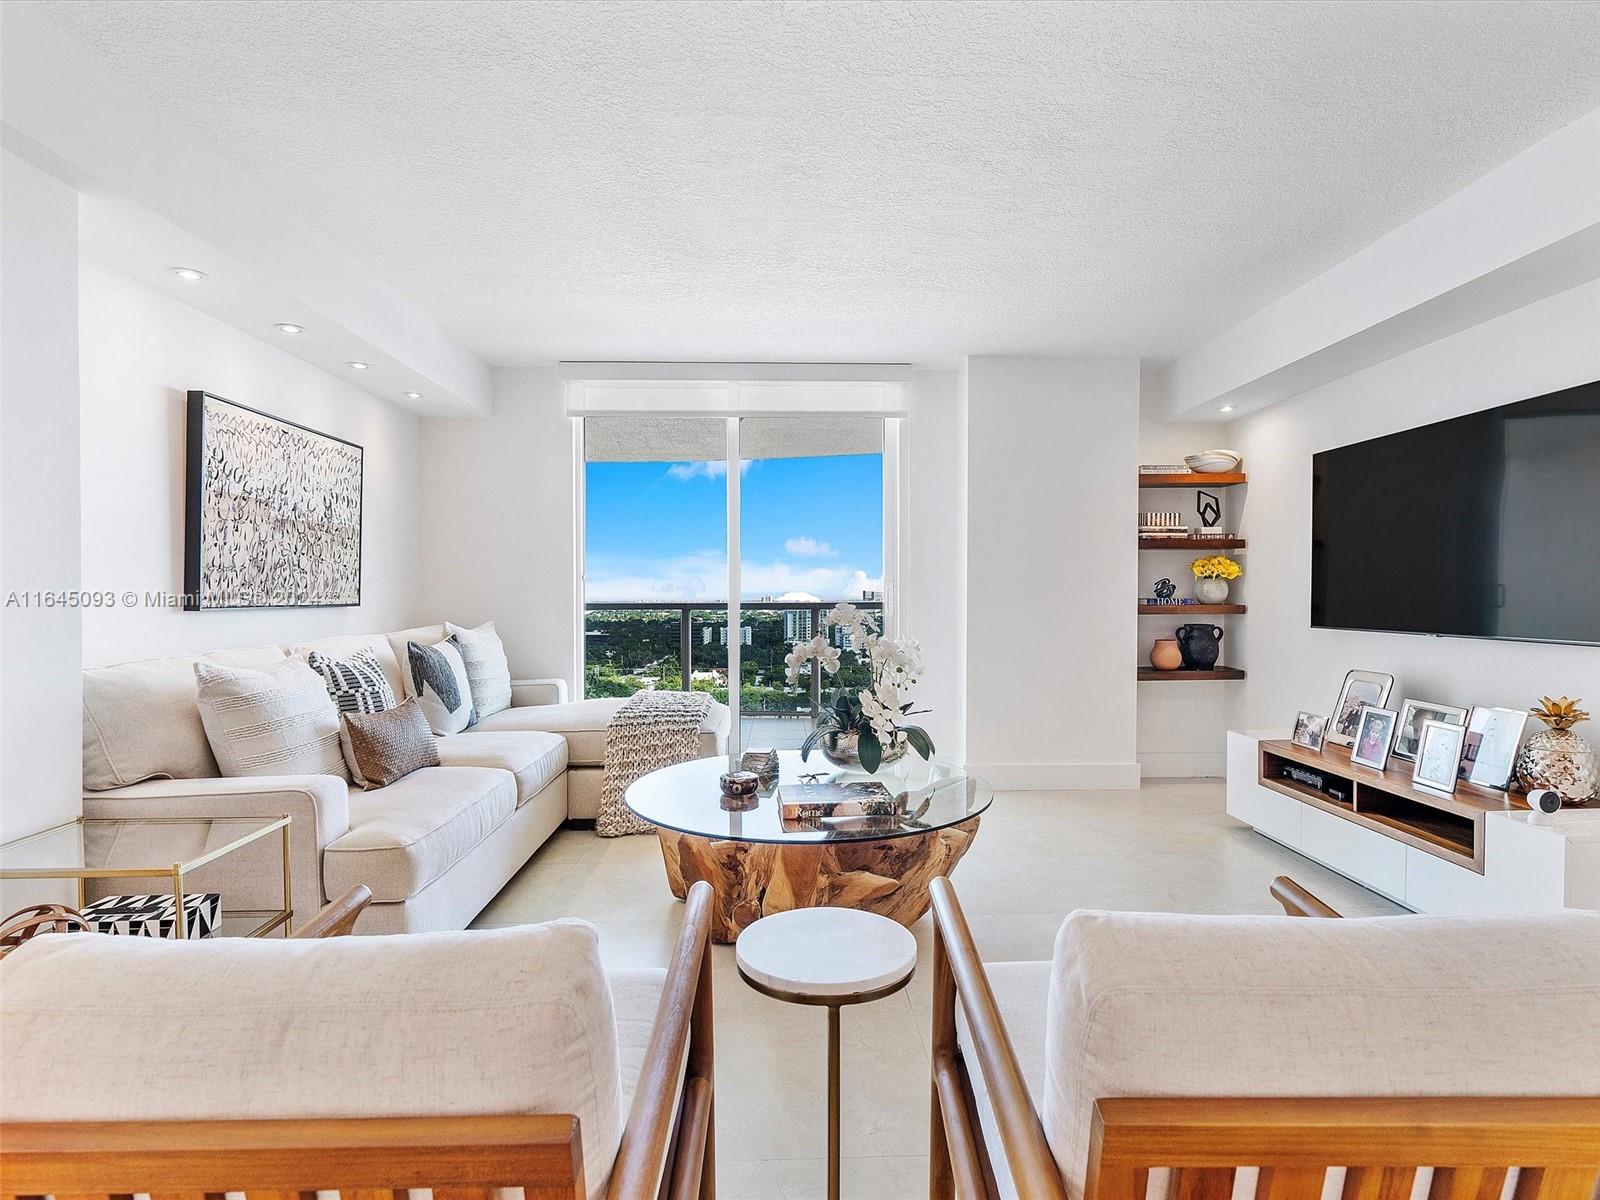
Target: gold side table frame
[{"x": 268, "y": 919}]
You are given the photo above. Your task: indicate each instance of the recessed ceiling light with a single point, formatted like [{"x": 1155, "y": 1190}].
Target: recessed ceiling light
[
  {"x": 289, "y": 327},
  {"x": 413, "y": 395},
  {"x": 188, "y": 273},
  {"x": 358, "y": 366},
  {"x": 1226, "y": 408}
]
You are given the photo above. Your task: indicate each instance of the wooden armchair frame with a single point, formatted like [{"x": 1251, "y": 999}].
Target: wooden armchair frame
[
  {"x": 1472, "y": 1143},
  {"x": 668, "y": 1149}
]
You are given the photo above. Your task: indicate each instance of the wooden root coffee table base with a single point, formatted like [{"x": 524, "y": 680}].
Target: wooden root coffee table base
[{"x": 751, "y": 880}]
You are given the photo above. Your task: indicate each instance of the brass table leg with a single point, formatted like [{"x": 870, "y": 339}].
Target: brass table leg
[{"x": 833, "y": 1102}]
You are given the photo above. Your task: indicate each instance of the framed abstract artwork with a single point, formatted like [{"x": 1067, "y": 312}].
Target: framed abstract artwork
[{"x": 272, "y": 512}]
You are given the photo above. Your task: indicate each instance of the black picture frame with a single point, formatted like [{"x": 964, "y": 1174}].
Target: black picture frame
[{"x": 195, "y": 587}]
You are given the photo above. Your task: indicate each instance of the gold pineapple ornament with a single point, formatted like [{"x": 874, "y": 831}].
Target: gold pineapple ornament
[{"x": 1558, "y": 758}]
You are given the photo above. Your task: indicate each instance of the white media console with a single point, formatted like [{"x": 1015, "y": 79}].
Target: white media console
[{"x": 1476, "y": 852}]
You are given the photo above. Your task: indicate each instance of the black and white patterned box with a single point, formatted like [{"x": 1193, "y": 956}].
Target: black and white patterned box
[{"x": 152, "y": 916}]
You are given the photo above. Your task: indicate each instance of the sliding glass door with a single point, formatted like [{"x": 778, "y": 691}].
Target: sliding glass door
[{"x": 790, "y": 509}]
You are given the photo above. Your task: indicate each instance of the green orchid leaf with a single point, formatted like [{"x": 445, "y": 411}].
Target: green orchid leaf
[
  {"x": 870, "y": 751},
  {"x": 919, "y": 739}
]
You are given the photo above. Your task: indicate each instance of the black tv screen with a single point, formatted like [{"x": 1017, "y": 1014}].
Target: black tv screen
[{"x": 1486, "y": 525}]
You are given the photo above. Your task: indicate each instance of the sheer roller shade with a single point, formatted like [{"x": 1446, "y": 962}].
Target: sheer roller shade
[
  {"x": 733, "y": 390},
  {"x": 677, "y": 439}
]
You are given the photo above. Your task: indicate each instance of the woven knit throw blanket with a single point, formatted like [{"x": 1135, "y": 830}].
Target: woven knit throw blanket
[{"x": 650, "y": 730}]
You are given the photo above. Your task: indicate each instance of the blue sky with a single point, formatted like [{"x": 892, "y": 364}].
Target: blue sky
[{"x": 659, "y": 530}]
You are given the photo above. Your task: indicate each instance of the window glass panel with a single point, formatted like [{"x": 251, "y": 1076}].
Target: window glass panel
[{"x": 655, "y": 554}]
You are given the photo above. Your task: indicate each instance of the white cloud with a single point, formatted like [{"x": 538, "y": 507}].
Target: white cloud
[
  {"x": 715, "y": 468},
  {"x": 703, "y": 577},
  {"x": 809, "y": 547}
]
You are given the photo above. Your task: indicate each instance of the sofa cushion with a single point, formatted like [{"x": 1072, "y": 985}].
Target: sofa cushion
[
  {"x": 277, "y": 721},
  {"x": 345, "y": 645},
  {"x": 384, "y": 747},
  {"x": 583, "y": 724},
  {"x": 487, "y": 672},
  {"x": 1148, "y": 1004},
  {"x": 140, "y": 720},
  {"x": 406, "y": 835},
  {"x": 423, "y": 635},
  {"x": 635, "y": 997},
  {"x": 514, "y": 1020},
  {"x": 535, "y": 758}
]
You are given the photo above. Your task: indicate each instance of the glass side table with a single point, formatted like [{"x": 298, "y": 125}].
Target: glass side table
[{"x": 77, "y": 862}]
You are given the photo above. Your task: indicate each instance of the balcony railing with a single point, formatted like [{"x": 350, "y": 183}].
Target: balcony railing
[{"x": 686, "y": 613}]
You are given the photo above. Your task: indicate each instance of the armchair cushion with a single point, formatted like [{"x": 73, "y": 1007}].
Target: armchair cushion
[
  {"x": 515, "y": 1020},
  {"x": 1148, "y": 1004}
]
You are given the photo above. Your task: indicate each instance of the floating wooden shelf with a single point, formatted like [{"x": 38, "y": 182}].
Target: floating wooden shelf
[
  {"x": 1151, "y": 675},
  {"x": 1192, "y": 479},
  {"x": 1448, "y": 827},
  {"x": 1191, "y": 543},
  {"x": 1157, "y": 610}
]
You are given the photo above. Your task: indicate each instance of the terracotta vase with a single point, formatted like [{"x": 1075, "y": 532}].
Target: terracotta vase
[{"x": 1165, "y": 655}]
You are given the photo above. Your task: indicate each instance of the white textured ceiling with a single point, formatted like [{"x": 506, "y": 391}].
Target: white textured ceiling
[{"x": 874, "y": 181}]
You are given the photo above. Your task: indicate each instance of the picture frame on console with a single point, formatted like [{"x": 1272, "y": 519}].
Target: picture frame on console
[
  {"x": 1489, "y": 750},
  {"x": 1408, "y": 730},
  {"x": 1438, "y": 752},
  {"x": 1360, "y": 688},
  {"x": 1374, "y": 737},
  {"x": 1309, "y": 729}
]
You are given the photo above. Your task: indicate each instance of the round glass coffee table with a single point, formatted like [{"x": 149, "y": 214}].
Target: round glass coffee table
[{"x": 878, "y": 854}]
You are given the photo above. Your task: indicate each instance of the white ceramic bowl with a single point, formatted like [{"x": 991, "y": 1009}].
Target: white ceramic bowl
[{"x": 1213, "y": 462}]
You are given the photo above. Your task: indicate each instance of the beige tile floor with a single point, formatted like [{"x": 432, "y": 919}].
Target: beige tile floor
[{"x": 1169, "y": 847}]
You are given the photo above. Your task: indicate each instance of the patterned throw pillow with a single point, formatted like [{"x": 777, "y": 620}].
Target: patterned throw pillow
[
  {"x": 280, "y": 721},
  {"x": 439, "y": 683},
  {"x": 384, "y": 746},
  {"x": 487, "y": 672},
  {"x": 357, "y": 684}
]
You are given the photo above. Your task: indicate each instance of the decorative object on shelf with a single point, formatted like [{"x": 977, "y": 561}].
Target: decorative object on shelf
[
  {"x": 740, "y": 783},
  {"x": 1489, "y": 752},
  {"x": 1200, "y": 646},
  {"x": 1165, "y": 589},
  {"x": 1360, "y": 687},
  {"x": 1374, "y": 737},
  {"x": 1438, "y": 752},
  {"x": 1165, "y": 655},
  {"x": 1557, "y": 758},
  {"x": 1409, "y": 729},
  {"x": 863, "y": 727},
  {"x": 156, "y": 916},
  {"x": 1209, "y": 508},
  {"x": 1163, "y": 469},
  {"x": 30, "y": 922},
  {"x": 1211, "y": 577},
  {"x": 1214, "y": 462},
  {"x": 1308, "y": 730},
  {"x": 272, "y": 512}
]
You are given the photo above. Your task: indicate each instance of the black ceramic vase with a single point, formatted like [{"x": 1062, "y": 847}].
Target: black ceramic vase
[{"x": 1200, "y": 645}]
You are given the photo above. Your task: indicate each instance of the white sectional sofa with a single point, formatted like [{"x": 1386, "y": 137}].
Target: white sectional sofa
[{"x": 434, "y": 847}]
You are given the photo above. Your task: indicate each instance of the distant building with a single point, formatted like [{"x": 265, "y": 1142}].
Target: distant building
[
  {"x": 871, "y": 597},
  {"x": 720, "y": 634},
  {"x": 797, "y": 625}
]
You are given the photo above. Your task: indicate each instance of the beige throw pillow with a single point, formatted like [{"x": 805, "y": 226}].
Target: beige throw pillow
[
  {"x": 279, "y": 721},
  {"x": 488, "y": 674},
  {"x": 382, "y": 747}
]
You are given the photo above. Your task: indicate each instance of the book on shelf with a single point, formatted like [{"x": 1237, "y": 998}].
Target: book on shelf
[
  {"x": 823, "y": 801},
  {"x": 1164, "y": 469},
  {"x": 1174, "y": 535}
]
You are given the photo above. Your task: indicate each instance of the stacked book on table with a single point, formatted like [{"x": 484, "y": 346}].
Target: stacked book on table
[{"x": 857, "y": 807}]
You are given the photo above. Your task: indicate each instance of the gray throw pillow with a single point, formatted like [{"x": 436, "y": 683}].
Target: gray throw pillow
[
  {"x": 487, "y": 671},
  {"x": 439, "y": 682}
]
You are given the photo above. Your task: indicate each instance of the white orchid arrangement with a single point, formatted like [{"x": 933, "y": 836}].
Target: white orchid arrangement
[{"x": 877, "y": 712}]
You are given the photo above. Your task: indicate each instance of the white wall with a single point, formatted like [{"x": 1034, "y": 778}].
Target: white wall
[
  {"x": 1541, "y": 348},
  {"x": 933, "y": 552},
  {"x": 498, "y": 522},
  {"x": 142, "y": 352},
  {"x": 1183, "y": 725},
  {"x": 40, "y": 678},
  {"x": 1052, "y": 570}
]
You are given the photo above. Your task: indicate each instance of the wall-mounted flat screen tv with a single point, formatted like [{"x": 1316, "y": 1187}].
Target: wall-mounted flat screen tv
[{"x": 1486, "y": 525}]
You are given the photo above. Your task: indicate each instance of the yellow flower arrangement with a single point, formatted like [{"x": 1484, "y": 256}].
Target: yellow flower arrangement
[{"x": 1216, "y": 566}]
